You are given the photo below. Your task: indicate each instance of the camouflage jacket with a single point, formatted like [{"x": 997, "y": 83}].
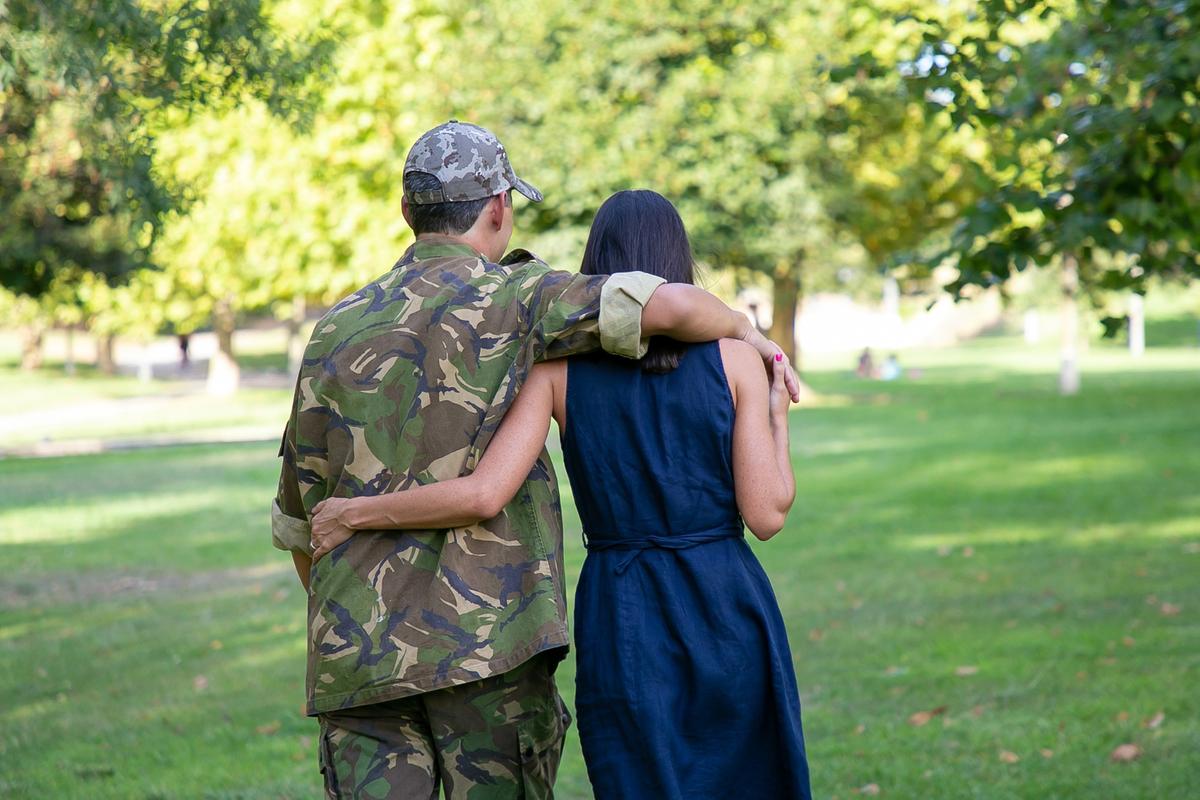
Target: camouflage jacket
[{"x": 404, "y": 383}]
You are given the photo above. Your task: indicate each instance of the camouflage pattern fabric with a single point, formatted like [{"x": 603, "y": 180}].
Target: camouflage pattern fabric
[
  {"x": 404, "y": 383},
  {"x": 500, "y": 737},
  {"x": 469, "y": 161}
]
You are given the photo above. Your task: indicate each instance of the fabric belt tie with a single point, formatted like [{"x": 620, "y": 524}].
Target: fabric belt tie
[{"x": 680, "y": 541}]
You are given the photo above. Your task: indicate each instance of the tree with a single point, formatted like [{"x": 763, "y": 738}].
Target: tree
[
  {"x": 83, "y": 92},
  {"x": 284, "y": 217},
  {"x": 1091, "y": 120}
]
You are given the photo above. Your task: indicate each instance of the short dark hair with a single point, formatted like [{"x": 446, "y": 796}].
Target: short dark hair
[
  {"x": 640, "y": 230},
  {"x": 450, "y": 218}
]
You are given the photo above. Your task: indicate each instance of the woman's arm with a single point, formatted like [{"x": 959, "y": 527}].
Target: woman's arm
[
  {"x": 762, "y": 464},
  {"x": 462, "y": 501}
]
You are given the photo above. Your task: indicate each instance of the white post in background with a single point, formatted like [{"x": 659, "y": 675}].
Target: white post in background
[
  {"x": 1032, "y": 326},
  {"x": 145, "y": 369},
  {"x": 1068, "y": 373},
  {"x": 1137, "y": 325},
  {"x": 69, "y": 363}
]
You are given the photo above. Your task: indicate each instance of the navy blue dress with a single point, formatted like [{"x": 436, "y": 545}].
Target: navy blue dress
[{"x": 685, "y": 686}]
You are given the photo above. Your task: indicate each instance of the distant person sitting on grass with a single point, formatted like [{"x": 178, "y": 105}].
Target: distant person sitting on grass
[
  {"x": 866, "y": 364},
  {"x": 891, "y": 369}
]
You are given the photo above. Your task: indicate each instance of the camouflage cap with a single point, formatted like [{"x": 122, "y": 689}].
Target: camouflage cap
[{"x": 468, "y": 160}]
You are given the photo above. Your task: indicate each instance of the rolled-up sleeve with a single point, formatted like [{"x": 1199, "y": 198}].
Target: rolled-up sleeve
[
  {"x": 289, "y": 533},
  {"x": 622, "y": 299},
  {"x": 290, "y": 528}
]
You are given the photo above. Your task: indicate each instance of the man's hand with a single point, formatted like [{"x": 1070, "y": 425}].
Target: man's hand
[
  {"x": 328, "y": 526},
  {"x": 769, "y": 350}
]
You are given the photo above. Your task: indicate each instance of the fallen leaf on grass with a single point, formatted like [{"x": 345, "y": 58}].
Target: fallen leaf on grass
[
  {"x": 893, "y": 671},
  {"x": 870, "y": 789},
  {"x": 1009, "y": 757},
  {"x": 922, "y": 717},
  {"x": 968, "y": 552},
  {"x": 216, "y": 644},
  {"x": 816, "y": 635},
  {"x": 1122, "y": 716},
  {"x": 199, "y": 683},
  {"x": 1170, "y": 609},
  {"x": 1046, "y": 752},
  {"x": 268, "y": 729},
  {"x": 965, "y": 671},
  {"x": 944, "y": 550},
  {"x": 977, "y": 712},
  {"x": 859, "y": 729},
  {"x": 1129, "y": 641},
  {"x": 1155, "y": 722},
  {"x": 1124, "y": 753}
]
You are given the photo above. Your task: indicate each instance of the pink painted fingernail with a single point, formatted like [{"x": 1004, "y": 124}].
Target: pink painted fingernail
[{"x": 779, "y": 356}]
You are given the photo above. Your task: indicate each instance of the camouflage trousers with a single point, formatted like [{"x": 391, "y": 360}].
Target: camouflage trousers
[{"x": 499, "y": 738}]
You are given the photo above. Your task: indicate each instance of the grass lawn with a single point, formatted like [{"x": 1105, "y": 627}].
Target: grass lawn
[
  {"x": 988, "y": 588},
  {"x": 49, "y": 406}
]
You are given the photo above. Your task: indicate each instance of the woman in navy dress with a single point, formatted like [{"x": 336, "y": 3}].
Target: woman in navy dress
[{"x": 685, "y": 685}]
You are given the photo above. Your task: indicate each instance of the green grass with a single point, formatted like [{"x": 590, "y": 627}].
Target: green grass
[
  {"x": 49, "y": 406},
  {"x": 151, "y": 641}
]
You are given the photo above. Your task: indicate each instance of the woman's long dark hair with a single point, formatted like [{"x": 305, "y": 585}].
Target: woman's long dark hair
[{"x": 640, "y": 230}]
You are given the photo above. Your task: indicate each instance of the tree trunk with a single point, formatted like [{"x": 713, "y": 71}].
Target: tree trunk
[
  {"x": 1068, "y": 374},
  {"x": 104, "y": 354},
  {"x": 32, "y": 339},
  {"x": 295, "y": 344},
  {"x": 1137, "y": 325},
  {"x": 785, "y": 301},
  {"x": 223, "y": 371}
]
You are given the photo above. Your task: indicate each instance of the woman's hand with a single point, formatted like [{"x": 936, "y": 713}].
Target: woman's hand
[
  {"x": 329, "y": 528},
  {"x": 780, "y": 394},
  {"x": 774, "y": 358}
]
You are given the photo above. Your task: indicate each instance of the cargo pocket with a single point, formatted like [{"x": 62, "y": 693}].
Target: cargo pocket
[
  {"x": 541, "y": 739},
  {"x": 328, "y": 772}
]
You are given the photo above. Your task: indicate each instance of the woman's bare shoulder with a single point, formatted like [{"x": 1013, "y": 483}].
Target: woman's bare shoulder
[
  {"x": 739, "y": 356},
  {"x": 743, "y": 366},
  {"x": 549, "y": 371}
]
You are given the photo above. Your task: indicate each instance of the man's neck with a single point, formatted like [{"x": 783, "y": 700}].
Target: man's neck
[{"x": 466, "y": 239}]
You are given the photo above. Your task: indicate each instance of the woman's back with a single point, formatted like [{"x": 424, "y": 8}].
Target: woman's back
[{"x": 650, "y": 454}]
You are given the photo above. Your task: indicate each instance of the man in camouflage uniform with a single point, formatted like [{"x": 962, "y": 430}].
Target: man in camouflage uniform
[{"x": 431, "y": 653}]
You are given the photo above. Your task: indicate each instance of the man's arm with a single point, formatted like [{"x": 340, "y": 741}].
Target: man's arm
[
  {"x": 625, "y": 309},
  {"x": 690, "y": 314}
]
